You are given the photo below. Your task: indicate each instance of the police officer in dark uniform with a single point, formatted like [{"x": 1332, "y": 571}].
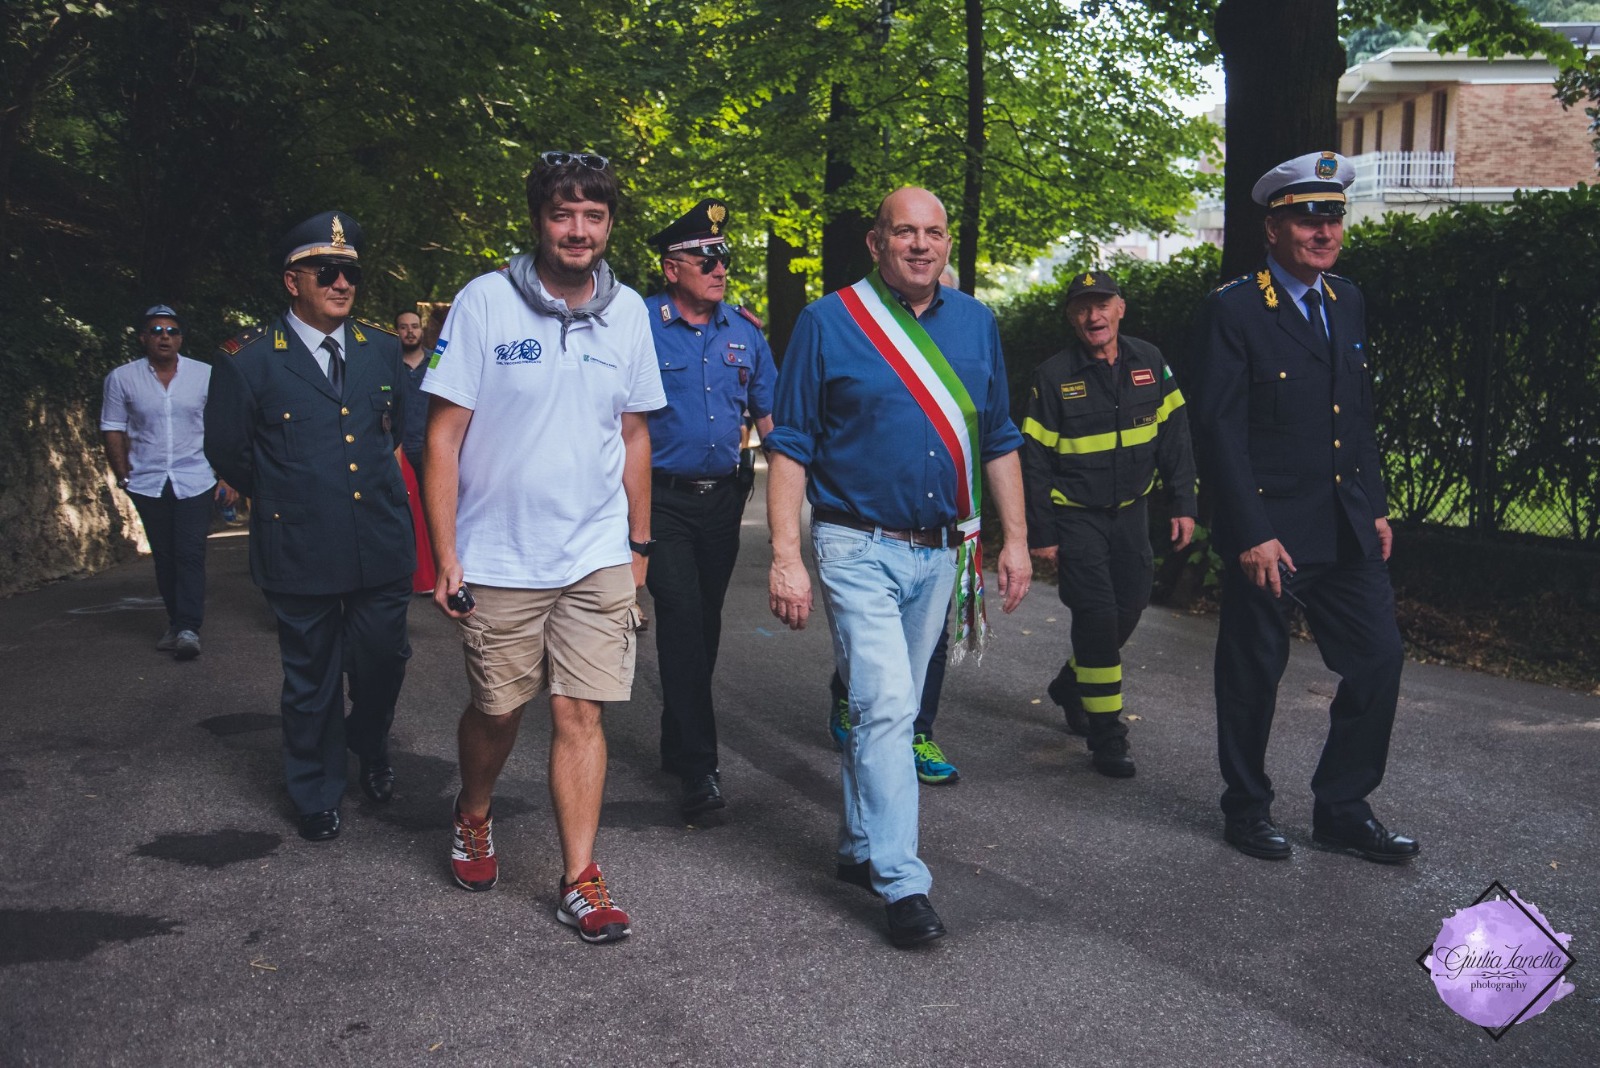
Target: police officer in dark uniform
[
  {"x": 1284, "y": 417},
  {"x": 304, "y": 416},
  {"x": 1104, "y": 416},
  {"x": 715, "y": 365}
]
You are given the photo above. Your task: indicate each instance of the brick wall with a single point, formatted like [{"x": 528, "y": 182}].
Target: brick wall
[{"x": 1518, "y": 135}]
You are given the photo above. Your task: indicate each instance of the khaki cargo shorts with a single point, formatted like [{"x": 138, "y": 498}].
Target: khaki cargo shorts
[{"x": 578, "y": 640}]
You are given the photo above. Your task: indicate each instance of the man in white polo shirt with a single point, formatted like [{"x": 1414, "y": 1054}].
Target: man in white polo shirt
[
  {"x": 537, "y": 482},
  {"x": 152, "y": 421}
]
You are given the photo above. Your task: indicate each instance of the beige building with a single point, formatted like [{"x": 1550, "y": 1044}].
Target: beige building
[{"x": 1426, "y": 130}]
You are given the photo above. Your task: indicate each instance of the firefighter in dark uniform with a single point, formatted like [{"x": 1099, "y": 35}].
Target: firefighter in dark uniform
[
  {"x": 715, "y": 365},
  {"x": 1105, "y": 416},
  {"x": 1284, "y": 419},
  {"x": 304, "y": 415}
]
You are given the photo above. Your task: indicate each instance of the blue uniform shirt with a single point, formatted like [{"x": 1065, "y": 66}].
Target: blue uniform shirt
[
  {"x": 711, "y": 374},
  {"x": 868, "y": 448}
]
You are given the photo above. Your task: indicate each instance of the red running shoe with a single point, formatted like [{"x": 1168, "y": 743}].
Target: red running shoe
[
  {"x": 587, "y": 906},
  {"x": 473, "y": 864}
]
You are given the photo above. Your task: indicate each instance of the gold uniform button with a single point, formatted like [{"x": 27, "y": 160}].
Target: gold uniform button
[
  {"x": 344, "y": 411},
  {"x": 1336, "y": 479},
  {"x": 1335, "y": 445},
  {"x": 286, "y": 415},
  {"x": 1283, "y": 374},
  {"x": 350, "y": 438},
  {"x": 1335, "y": 409},
  {"x": 353, "y": 466},
  {"x": 1260, "y": 490},
  {"x": 357, "y": 495},
  {"x": 275, "y": 515}
]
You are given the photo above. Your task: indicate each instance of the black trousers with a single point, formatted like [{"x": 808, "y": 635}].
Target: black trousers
[
  {"x": 932, "y": 686},
  {"x": 697, "y": 543},
  {"x": 177, "y": 531},
  {"x": 322, "y": 638},
  {"x": 1104, "y": 570},
  {"x": 1350, "y": 609}
]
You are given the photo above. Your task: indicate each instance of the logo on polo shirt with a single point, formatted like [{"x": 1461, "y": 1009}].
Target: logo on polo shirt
[
  {"x": 595, "y": 359},
  {"x": 524, "y": 351}
]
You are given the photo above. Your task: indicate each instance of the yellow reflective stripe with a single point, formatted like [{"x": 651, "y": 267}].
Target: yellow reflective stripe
[
  {"x": 1141, "y": 434},
  {"x": 1103, "y": 704},
  {"x": 1057, "y": 497},
  {"x": 1169, "y": 404},
  {"x": 1091, "y": 443},
  {"x": 1090, "y": 676},
  {"x": 1035, "y": 430}
]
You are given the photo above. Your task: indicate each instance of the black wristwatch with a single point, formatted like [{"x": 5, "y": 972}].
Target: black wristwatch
[{"x": 642, "y": 547}]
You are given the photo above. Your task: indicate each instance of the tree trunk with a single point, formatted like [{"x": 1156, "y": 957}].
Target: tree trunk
[
  {"x": 972, "y": 183},
  {"x": 845, "y": 259},
  {"x": 786, "y": 293},
  {"x": 1282, "y": 60}
]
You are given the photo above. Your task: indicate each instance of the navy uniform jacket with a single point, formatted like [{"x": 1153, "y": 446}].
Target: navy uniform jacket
[
  {"x": 1285, "y": 434},
  {"x": 329, "y": 512}
]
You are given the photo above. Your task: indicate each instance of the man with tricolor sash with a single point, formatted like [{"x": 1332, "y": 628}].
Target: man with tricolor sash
[
  {"x": 892, "y": 418},
  {"x": 1105, "y": 416}
]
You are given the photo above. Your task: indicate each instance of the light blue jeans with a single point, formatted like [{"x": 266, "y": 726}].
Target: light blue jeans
[{"x": 886, "y": 601}]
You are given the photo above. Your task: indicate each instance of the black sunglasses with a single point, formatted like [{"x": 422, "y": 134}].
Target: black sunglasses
[
  {"x": 174, "y": 331},
  {"x": 709, "y": 263},
  {"x": 329, "y": 273},
  {"x": 582, "y": 159}
]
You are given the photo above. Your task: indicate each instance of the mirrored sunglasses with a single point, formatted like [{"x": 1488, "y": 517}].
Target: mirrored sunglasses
[
  {"x": 582, "y": 159},
  {"x": 157, "y": 331}
]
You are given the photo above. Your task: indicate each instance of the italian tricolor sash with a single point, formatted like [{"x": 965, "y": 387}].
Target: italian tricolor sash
[{"x": 903, "y": 343}]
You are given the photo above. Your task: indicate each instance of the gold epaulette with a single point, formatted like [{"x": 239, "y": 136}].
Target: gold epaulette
[
  {"x": 378, "y": 327},
  {"x": 232, "y": 346}
]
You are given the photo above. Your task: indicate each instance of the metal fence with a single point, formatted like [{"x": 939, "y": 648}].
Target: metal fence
[{"x": 1380, "y": 171}]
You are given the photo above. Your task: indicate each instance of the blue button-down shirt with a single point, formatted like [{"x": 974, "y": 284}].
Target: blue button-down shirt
[
  {"x": 868, "y": 448},
  {"x": 712, "y": 374}
]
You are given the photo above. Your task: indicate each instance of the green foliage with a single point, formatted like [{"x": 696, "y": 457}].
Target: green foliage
[{"x": 1485, "y": 328}]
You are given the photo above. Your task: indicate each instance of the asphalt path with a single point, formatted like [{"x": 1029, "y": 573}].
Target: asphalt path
[{"x": 156, "y": 907}]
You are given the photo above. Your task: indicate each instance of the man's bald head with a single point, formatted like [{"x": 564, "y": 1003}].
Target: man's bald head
[{"x": 910, "y": 243}]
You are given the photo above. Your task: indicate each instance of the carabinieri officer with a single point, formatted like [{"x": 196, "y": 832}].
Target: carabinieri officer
[
  {"x": 305, "y": 416},
  {"x": 715, "y": 365}
]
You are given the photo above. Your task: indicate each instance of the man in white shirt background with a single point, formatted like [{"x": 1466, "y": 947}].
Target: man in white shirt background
[{"x": 152, "y": 421}]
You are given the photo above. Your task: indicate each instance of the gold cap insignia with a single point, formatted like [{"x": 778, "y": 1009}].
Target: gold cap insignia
[
  {"x": 338, "y": 233},
  {"x": 716, "y": 213},
  {"x": 1088, "y": 279}
]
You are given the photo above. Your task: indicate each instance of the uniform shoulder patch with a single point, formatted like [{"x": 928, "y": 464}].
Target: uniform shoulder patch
[
  {"x": 1224, "y": 287},
  {"x": 752, "y": 316},
  {"x": 376, "y": 326},
  {"x": 232, "y": 346}
]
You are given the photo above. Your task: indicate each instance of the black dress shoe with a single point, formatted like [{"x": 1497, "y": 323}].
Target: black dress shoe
[
  {"x": 377, "y": 780},
  {"x": 1112, "y": 758},
  {"x": 1369, "y": 840},
  {"x": 1256, "y": 837},
  {"x": 319, "y": 826},
  {"x": 701, "y": 793},
  {"x": 857, "y": 874},
  {"x": 912, "y": 921}
]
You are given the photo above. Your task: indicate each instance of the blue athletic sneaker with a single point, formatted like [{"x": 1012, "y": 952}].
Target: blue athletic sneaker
[
  {"x": 932, "y": 767},
  {"x": 839, "y": 722}
]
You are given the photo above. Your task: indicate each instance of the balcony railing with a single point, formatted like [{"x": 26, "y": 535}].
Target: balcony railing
[{"x": 1378, "y": 173}]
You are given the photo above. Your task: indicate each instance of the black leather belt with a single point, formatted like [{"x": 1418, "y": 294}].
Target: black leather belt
[
  {"x": 926, "y": 537},
  {"x": 699, "y": 486}
]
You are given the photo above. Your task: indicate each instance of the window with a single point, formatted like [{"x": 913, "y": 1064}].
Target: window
[
  {"x": 1408, "y": 126},
  {"x": 1441, "y": 101},
  {"x": 1377, "y": 132},
  {"x": 1358, "y": 134}
]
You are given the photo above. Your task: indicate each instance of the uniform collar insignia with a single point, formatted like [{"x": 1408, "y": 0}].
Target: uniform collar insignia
[
  {"x": 356, "y": 330},
  {"x": 279, "y": 342},
  {"x": 1264, "y": 282}
]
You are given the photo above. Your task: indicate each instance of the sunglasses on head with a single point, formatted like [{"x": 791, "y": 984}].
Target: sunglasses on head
[
  {"x": 328, "y": 273},
  {"x": 157, "y": 331},
  {"x": 582, "y": 159}
]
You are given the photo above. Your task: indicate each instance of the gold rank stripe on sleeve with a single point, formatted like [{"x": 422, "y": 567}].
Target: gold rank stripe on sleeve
[{"x": 1050, "y": 439}]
